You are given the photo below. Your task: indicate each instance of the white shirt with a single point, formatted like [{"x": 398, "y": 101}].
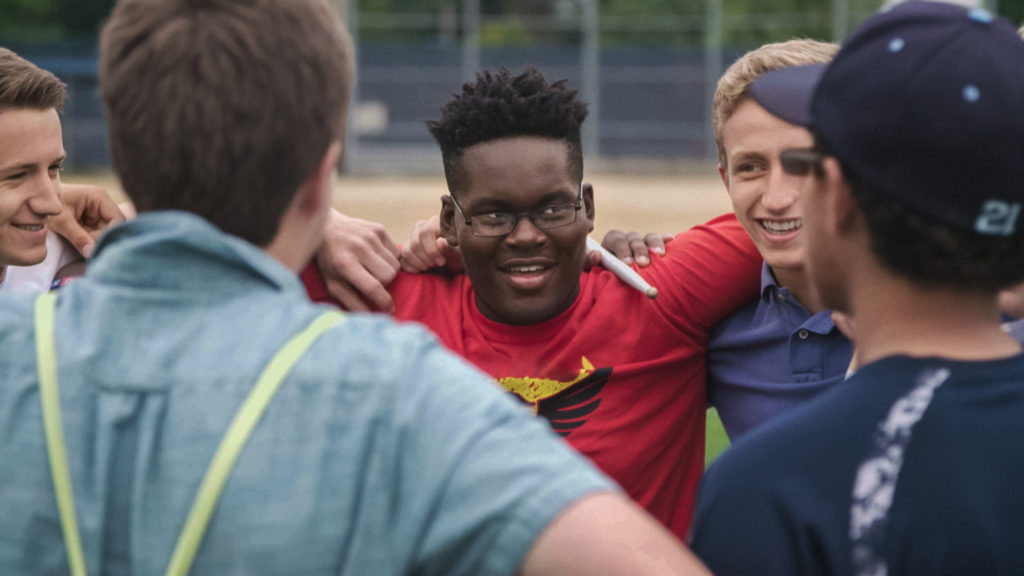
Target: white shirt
[{"x": 38, "y": 277}]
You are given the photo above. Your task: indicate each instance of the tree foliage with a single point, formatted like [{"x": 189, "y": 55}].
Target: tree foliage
[
  {"x": 27, "y": 20},
  {"x": 629, "y": 22}
]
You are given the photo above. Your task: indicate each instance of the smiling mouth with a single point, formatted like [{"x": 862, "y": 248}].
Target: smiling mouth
[
  {"x": 776, "y": 227},
  {"x": 533, "y": 269},
  {"x": 29, "y": 227},
  {"x": 527, "y": 277}
]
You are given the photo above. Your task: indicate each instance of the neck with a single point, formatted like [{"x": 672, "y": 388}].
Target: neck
[
  {"x": 293, "y": 255},
  {"x": 895, "y": 317},
  {"x": 299, "y": 233},
  {"x": 796, "y": 281}
]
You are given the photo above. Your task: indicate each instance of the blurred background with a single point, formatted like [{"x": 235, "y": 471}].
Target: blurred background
[{"x": 648, "y": 68}]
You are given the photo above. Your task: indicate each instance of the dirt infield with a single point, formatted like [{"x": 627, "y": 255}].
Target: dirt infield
[{"x": 646, "y": 203}]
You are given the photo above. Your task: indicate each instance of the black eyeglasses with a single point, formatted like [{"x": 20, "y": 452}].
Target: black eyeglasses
[
  {"x": 492, "y": 224},
  {"x": 800, "y": 161}
]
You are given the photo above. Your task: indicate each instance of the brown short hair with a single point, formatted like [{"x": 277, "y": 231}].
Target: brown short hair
[
  {"x": 25, "y": 85},
  {"x": 223, "y": 108},
  {"x": 735, "y": 83}
]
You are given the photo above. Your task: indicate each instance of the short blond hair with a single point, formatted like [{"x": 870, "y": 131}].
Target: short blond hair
[{"x": 735, "y": 83}]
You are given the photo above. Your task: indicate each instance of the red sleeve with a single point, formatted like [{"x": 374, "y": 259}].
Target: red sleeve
[
  {"x": 416, "y": 296},
  {"x": 708, "y": 272},
  {"x": 316, "y": 288}
]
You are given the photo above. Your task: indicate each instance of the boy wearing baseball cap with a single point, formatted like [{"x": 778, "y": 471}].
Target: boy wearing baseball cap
[{"x": 913, "y": 205}]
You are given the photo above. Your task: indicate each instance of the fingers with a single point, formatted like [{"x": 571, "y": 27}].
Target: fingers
[
  {"x": 639, "y": 248},
  {"x": 615, "y": 242},
  {"x": 88, "y": 212},
  {"x": 358, "y": 289},
  {"x": 350, "y": 279},
  {"x": 99, "y": 215},
  {"x": 366, "y": 242},
  {"x": 346, "y": 295},
  {"x": 358, "y": 260},
  {"x": 128, "y": 209},
  {"x": 655, "y": 243},
  {"x": 631, "y": 246},
  {"x": 424, "y": 248},
  {"x": 71, "y": 230}
]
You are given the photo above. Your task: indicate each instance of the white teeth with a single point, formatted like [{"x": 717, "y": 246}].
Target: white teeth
[
  {"x": 787, "y": 226},
  {"x": 30, "y": 227},
  {"x": 525, "y": 269}
]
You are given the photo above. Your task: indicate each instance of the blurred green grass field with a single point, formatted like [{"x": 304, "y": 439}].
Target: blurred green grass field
[{"x": 715, "y": 439}]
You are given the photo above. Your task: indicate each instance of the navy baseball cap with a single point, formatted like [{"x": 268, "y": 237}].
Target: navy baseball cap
[{"x": 925, "y": 102}]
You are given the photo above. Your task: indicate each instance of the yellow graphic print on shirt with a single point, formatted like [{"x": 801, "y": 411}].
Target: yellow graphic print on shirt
[{"x": 564, "y": 404}]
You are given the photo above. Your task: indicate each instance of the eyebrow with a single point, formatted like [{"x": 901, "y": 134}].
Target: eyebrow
[
  {"x": 572, "y": 193},
  {"x": 495, "y": 205},
  {"x": 747, "y": 155}
]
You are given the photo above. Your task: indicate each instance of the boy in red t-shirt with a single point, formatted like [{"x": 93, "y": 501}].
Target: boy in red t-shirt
[{"x": 621, "y": 376}]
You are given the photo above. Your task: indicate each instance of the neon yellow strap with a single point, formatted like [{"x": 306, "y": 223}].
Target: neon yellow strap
[
  {"x": 49, "y": 395},
  {"x": 223, "y": 461},
  {"x": 235, "y": 438}
]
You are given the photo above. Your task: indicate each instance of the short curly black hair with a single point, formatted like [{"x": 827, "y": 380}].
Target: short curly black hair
[
  {"x": 930, "y": 253},
  {"x": 499, "y": 105}
]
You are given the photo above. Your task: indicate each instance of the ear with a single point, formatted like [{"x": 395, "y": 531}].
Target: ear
[
  {"x": 314, "y": 195},
  {"x": 843, "y": 212},
  {"x": 588, "y": 203},
  {"x": 301, "y": 227},
  {"x": 448, "y": 221},
  {"x": 722, "y": 174}
]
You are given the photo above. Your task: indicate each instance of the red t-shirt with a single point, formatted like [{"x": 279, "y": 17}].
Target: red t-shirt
[{"x": 621, "y": 376}]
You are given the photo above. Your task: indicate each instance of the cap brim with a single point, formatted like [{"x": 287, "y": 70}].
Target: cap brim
[{"x": 787, "y": 92}]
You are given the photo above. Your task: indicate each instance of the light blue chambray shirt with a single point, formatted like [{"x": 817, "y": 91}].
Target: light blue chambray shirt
[
  {"x": 770, "y": 356},
  {"x": 380, "y": 454}
]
